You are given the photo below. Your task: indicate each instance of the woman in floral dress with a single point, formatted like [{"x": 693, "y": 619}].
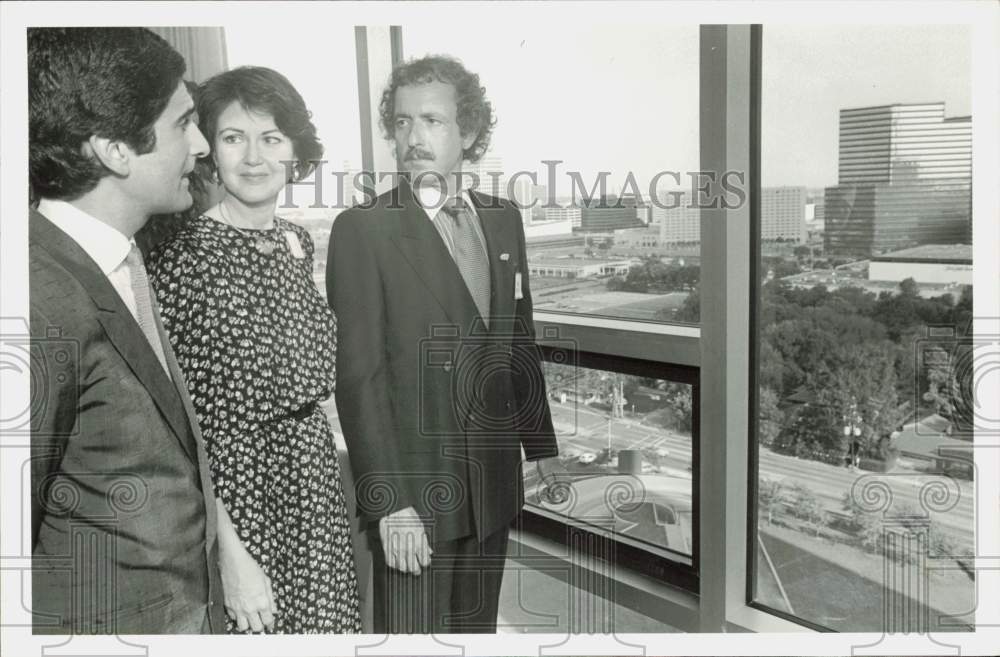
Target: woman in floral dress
[{"x": 256, "y": 342}]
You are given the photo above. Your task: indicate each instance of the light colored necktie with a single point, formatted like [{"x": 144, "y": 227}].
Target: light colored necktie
[
  {"x": 144, "y": 303},
  {"x": 470, "y": 254}
]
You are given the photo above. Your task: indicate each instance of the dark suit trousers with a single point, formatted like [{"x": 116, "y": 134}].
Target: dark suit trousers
[{"x": 458, "y": 593}]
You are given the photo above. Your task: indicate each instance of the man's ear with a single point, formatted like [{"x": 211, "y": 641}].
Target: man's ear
[
  {"x": 114, "y": 155},
  {"x": 468, "y": 140}
]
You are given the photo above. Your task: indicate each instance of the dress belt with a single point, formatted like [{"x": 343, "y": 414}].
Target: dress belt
[{"x": 303, "y": 412}]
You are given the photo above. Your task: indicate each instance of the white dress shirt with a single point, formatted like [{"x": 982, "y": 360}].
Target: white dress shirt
[
  {"x": 105, "y": 245},
  {"x": 431, "y": 199}
]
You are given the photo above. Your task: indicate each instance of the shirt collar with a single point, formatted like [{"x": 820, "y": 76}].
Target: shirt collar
[
  {"x": 105, "y": 245},
  {"x": 432, "y": 200}
]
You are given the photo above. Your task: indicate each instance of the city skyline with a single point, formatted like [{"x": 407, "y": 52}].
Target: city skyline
[{"x": 628, "y": 102}]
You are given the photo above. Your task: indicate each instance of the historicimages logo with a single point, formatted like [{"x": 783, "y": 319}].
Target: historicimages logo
[
  {"x": 953, "y": 370},
  {"x": 44, "y": 359}
]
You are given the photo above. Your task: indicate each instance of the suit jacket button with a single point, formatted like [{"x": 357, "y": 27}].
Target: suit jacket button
[{"x": 447, "y": 367}]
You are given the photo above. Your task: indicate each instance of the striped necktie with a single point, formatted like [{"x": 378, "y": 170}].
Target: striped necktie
[
  {"x": 470, "y": 253},
  {"x": 144, "y": 303}
]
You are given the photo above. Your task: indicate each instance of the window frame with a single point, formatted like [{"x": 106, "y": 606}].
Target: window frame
[{"x": 644, "y": 561}]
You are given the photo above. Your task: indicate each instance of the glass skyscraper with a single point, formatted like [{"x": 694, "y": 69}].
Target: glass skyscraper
[{"x": 905, "y": 179}]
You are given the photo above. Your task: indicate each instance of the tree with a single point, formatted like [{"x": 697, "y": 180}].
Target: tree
[
  {"x": 852, "y": 300},
  {"x": 770, "y": 417},
  {"x": 909, "y": 288},
  {"x": 858, "y": 384},
  {"x": 810, "y": 433},
  {"x": 784, "y": 269},
  {"x": 616, "y": 284},
  {"x": 942, "y": 388},
  {"x": 690, "y": 310},
  {"x": 806, "y": 506},
  {"x": 961, "y": 317},
  {"x": 772, "y": 369},
  {"x": 769, "y": 496},
  {"x": 864, "y": 524}
]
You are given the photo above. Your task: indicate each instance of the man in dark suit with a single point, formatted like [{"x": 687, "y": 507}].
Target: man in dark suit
[
  {"x": 123, "y": 520},
  {"x": 439, "y": 385}
]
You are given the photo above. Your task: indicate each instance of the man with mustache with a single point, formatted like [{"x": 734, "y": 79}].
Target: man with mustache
[
  {"x": 123, "y": 523},
  {"x": 439, "y": 386}
]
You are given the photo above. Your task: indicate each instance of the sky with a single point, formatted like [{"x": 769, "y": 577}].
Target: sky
[{"x": 624, "y": 98}]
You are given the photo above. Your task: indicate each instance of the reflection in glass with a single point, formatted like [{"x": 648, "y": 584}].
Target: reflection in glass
[{"x": 626, "y": 443}]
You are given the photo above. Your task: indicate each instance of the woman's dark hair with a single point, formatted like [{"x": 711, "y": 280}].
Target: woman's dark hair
[
  {"x": 474, "y": 113},
  {"x": 113, "y": 82},
  {"x": 261, "y": 90}
]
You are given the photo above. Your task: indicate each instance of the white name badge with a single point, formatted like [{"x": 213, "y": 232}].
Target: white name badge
[
  {"x": 518, "y": 292},
  {"x": 294, "y": 245}
]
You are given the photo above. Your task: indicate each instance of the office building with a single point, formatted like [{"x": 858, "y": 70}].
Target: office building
[
  {"x": 677, "y": 225},
  {"x": 905, "y": 179},
  {"x": 783, "y": 214},
  {"x": 607, "y": 213},
  {"x": 572, "y": 213},
  {"x": 492, "y": 178},
  {"x": 928, "y": 264},
  {"x": 577, "y": 267}
]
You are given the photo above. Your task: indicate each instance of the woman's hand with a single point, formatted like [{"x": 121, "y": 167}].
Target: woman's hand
[{"x": 249, "y": 598}]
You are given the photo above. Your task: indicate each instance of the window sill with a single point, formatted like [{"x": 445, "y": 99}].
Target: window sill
[
  {"x": 676, "y": 609},
  {"x": 672, "y": 344}
]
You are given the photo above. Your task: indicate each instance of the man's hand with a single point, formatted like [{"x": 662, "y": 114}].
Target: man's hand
[
  {"x": 249, "y": 599},
  {"x": 404, "y": 541}
]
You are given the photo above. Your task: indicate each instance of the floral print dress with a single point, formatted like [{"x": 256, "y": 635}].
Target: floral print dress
[{"x": 256, "y": 343}]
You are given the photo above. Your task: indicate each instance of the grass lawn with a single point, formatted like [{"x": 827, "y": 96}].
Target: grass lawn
[{"x": 841, "y": 587}]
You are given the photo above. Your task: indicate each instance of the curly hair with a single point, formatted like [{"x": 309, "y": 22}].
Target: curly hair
[
  {"x": 474, "y": 113},
  {"x": 113, "y": 82},
  {"x": 261, "y": 90}
]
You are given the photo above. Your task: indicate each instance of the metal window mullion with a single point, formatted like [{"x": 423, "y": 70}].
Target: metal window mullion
[{"x": 378, "y": 49}]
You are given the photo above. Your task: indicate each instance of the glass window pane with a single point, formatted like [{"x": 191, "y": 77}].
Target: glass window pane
[
  {"x": 602, "y": 160},
  {"x": 864, "y": 488},
  {"x": 333, "y": 100},
  {"x": 626, "y": 443}
]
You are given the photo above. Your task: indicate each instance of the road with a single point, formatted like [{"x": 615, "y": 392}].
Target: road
[{"x": 586, "y": 430}]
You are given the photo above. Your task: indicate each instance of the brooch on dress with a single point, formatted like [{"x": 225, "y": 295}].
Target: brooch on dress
[{"x": 264, "y": 245}]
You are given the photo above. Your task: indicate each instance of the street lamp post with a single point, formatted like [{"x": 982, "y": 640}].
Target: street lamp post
[{"x": 852, "y": 432}]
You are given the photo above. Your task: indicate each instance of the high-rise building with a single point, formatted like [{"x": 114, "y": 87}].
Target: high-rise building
[
  {"x": 571, "y": 213},
  {"x": 783, "y": 216},
  {"x": 819, "y": 214},
  {"x": 678, "y": 225},
  {"x": 541, "y": 193},
  {"x": 783, "y": 213},
  {"x": 905, "y": 179},
  {"x": 492, "y": 176},
  {"x": 606, "y": 213}
]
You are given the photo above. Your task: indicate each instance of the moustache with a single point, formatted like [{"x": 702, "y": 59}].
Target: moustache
[{"x": 418, "y": 154}]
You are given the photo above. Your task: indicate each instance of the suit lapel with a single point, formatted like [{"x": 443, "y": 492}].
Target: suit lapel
[
  {"x": 423, "y": 248},
  {"x": 501, "y": 246},
  {"x": 119, "y": 325}
]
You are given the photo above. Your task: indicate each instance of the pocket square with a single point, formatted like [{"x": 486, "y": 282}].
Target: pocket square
[{"x": 504, "y": 257}]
